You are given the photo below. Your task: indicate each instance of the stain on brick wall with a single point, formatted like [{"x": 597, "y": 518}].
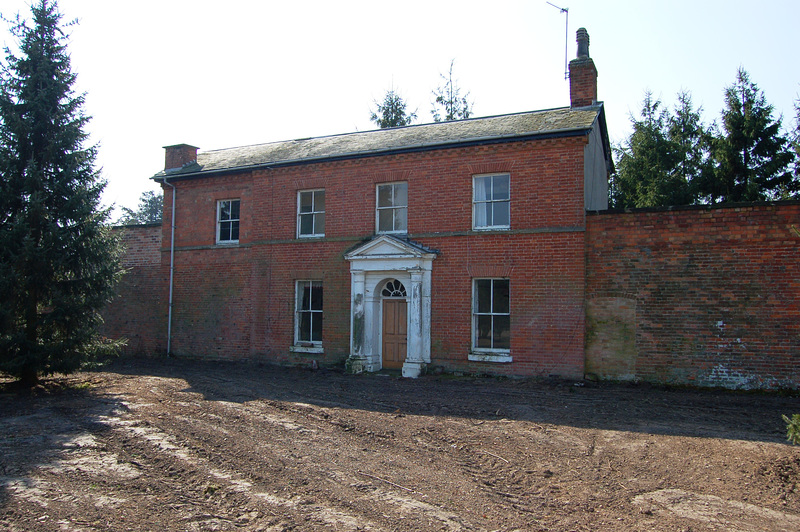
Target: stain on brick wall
[{"x": 611, "y": 338}]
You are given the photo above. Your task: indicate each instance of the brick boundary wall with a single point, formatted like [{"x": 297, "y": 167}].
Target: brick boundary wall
[
  {"x": 138, "y": 312},
  {"x": 708, "y": 296}
]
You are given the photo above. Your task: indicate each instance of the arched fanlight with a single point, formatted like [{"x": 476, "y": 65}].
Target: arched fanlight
[{"x": 394, "y": 288}]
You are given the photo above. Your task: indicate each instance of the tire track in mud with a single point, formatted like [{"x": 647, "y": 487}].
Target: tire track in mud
[
  {"x": 221, "y": 476},
  {"x": 505, "y": 481},
  {"x": 525, "y": 477},
  {"x": 290, "y": 427},
  {"x": 194, "y": 446},
  {"x": 68, "y": 445},
  {"x": 102, "y": 460}
]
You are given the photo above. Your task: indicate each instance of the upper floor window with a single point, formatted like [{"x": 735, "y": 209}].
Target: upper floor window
[
  {"x": 491, "y": 315},
  {"x": 392, "y": 210},
  {"x": 228, "y": 221},
  {"x": 491, "y": 200},
  {"x": 311, "y": 213}
]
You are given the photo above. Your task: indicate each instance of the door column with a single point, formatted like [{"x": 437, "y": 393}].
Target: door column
[
  {"x": 415, "y": 357},
  {"x": 358, "y": 349}
]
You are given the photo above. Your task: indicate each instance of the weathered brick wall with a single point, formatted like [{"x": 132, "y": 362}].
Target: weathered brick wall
[
  {"x": 238, "y": 302},
  {"x": 704, "y": 296},
  {"x": 582, "y": 82},
  {"x": 138, "y": 312}
]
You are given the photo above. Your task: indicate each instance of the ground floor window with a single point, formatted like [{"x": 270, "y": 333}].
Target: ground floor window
[
  {"x": 491, "y": 316},
  {"x": 308, "y": 320}
]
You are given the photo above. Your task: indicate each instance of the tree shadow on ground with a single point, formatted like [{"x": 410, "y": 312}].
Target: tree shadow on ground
[
  {"x": 606, "y": 406},
  {"x": 41, "y": 425}
]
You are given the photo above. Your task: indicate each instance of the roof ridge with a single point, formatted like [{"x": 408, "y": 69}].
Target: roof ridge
[{"x": 411, "y": 126}]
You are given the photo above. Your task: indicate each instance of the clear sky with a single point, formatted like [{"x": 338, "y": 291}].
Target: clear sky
[{"x": 239, "y": 72}]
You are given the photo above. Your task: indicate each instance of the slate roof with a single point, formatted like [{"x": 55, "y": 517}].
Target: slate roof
[{"x": 564, "y": 121}]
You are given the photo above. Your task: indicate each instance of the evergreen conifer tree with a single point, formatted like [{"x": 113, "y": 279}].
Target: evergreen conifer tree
[
  {"x": 692, "y": 140},
  {"x": 752, "y": 156},
  {"x": 392, "y": 112},
  {"x": 648, "y": 163},
  {"x": 58, "y": 260},
  {"x": 151, "y": 205},
  {"x": 796, "y": 140},
  {"x": 449, "y": 101}
]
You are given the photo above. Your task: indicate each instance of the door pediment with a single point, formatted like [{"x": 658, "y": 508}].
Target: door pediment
[{"x": 392, "y": 248}]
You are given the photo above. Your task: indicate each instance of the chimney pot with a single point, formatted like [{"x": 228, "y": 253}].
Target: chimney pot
[
  {"x": 582, "y": 37},
  {"x": 179, "y": 155}
]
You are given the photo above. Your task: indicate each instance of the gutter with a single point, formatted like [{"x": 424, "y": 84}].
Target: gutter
[{"x": 171, "y": 267}]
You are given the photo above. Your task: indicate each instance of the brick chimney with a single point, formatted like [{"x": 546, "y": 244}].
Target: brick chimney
[
  {"x": 178, "y": 155},
  {"x": 582, "y": 74}
]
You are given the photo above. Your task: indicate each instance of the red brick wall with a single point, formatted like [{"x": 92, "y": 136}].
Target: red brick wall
[
  {"x": 705, "y": 296},
  {"x": 238, "y": 302},
  {"x": 138, "y": 312},
  {"x": 582, "y": 82}
]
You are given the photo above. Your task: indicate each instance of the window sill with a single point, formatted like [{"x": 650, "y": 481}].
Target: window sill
[
  {"x": 306, "y": 349},
  {"x": 311, "y": 237},
  {"x": 228, "y": 243},
  {"x": 493, "y": 228},
  {"x": 481, "y": 356}
]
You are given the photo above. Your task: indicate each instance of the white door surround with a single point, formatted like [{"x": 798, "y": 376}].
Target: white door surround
[{"x": 372, "y": 264}]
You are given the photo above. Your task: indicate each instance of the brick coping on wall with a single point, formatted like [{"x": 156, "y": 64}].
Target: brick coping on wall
[
  {"x": 123, "y": 226},
  {"x": 702, "y": 207}
]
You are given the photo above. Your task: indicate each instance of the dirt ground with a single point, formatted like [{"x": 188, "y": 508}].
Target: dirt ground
[{"x": 188, "y": 445}]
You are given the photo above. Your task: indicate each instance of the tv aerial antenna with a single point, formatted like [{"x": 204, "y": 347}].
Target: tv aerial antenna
[{"x": 564, "y": 10}]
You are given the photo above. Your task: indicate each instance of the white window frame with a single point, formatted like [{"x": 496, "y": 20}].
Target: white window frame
[
  {"x": 220, "y": 240},
  {"x": 314, "y": 213},
  {"x": 307, "y": 346},
  {"x": 478, "y": 203},
  {"x": 489, "y": 354},
  {"x": 394, "y": 207}
]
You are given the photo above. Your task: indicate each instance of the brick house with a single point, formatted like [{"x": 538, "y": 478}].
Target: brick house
[{"x": 457, "y": 244}]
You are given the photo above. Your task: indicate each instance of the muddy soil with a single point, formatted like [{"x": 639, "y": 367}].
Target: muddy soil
[{"x": 188, "y": 445}]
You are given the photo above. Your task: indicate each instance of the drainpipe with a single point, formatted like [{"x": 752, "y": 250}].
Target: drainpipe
[{"x": 171, "y": 269}]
